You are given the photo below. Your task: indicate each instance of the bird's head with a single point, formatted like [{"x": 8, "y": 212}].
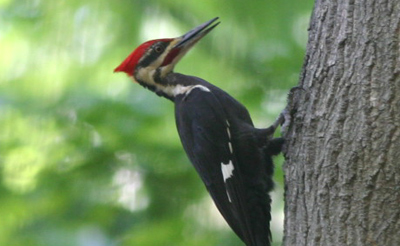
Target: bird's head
[{"x": 154, "y": 59}]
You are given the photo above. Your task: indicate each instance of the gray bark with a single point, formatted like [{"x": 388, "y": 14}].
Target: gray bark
[{"x": 342, "y": 169}]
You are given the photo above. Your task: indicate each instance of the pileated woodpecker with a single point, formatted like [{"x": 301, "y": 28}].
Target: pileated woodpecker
[{"x": 232, "y": 157}]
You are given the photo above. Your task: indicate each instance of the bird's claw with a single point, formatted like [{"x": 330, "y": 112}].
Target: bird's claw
[
  {"x": 287, "y": 119},
  {"x": 284, "y": 120}
]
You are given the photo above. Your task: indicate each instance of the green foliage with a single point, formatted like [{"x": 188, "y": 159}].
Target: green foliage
[{"x": 88, "y": 158}]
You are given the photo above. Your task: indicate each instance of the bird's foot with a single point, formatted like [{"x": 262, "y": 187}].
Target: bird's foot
[{"x": 287, "y": 120}]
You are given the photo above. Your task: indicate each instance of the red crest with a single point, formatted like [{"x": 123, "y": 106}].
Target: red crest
[{"x": 129, "y": 64}]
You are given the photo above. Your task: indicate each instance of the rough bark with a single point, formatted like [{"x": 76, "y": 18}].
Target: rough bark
[{"x": 343, "y": 152}]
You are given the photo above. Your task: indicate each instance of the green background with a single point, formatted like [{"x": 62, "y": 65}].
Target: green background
[{"x": 88, "y": 158}]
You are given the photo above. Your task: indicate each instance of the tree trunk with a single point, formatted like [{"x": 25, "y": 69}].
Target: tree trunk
[{"x": 342, "y": 183}]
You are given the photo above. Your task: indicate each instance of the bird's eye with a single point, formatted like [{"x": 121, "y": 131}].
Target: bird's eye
[{"x": 158, "y": 49}]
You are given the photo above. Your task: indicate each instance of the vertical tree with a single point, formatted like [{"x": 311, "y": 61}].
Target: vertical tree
[{"x": 343, "y": 151}]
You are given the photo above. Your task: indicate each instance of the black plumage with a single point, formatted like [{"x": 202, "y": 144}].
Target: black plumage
[
  {"x": 207, "y": 122},
  {"x": 232, "y": 157}
]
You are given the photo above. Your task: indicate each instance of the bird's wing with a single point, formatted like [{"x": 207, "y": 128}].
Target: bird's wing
[{"x": 205, "y": 134}]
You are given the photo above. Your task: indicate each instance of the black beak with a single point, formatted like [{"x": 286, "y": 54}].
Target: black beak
[{"x": 196, "y": 33}]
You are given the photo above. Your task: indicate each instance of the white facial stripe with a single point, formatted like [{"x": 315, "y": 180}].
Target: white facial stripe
[{"x": 146, "y": 74}]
